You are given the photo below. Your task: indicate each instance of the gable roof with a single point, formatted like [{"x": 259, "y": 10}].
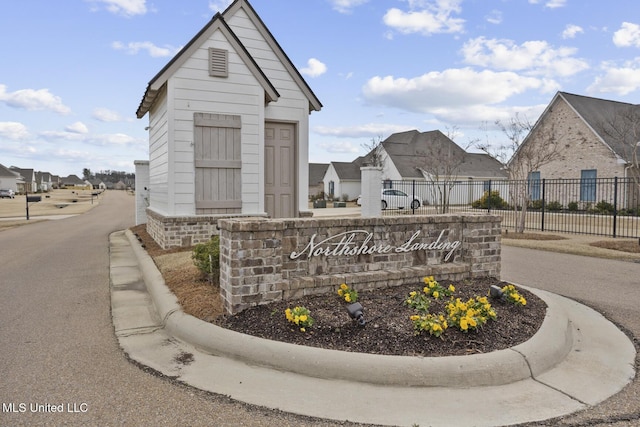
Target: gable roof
[
  {"x": 218, "y": 23},
  {"x": 316, "y": 172},
  {"x": 348, "y": 171},
  {"x": 27, "y": 174},
  {"x": 6, "y": 172},
  {"x": 598, "y": 115}
]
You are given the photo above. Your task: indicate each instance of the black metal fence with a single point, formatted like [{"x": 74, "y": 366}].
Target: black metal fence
[{"x": 599, "y": 206}]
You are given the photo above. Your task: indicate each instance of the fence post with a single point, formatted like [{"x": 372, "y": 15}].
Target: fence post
[
  {"x": 615, "y": 206},
  {"x": 489, "y": 199},
  {"x": 413, "y": 196},
  {"x": 543, "y": 199}
]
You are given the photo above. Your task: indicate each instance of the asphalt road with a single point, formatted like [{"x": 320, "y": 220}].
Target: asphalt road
[{"x": 58, "y": 350}]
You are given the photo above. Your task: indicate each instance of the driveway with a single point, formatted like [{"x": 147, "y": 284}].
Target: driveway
[{"x": 58, "y": 349}]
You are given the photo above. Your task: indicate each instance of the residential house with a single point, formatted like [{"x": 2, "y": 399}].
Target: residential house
[
  {"x": 316, "y": 174},
  {"x": 342, "y": 180},
  {"x": 44, "y": 181},
  {"x": 228, "y": 128},
  {"x": 10, "y": 179},
  {"x": 29, "y": 183},
  {"x": 98, "y": 184},
  {"x": 425, "y": 157},
  {"x": 73, "y": 181},
  {"x": 593, "y": 138}
]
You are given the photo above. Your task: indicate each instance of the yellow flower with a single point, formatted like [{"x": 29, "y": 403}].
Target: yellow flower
[
  {"x": 413, "y": 294},
  {"x": 452, "y": 288},
  {"x": 347, "y": 298},
  {"x": 437, "y": 328},
  {"x": 432, "y": 284},
  {"x": 436, "y": 294},
  {"x": 303, "y": 329},
  {"x": 425, "y": 289},
  {"x": 463, "y": 324},
  {"x": 472, "y": 322},
  {"x": 303, "y": 318},
  {"x": 344, "y": 287},
  {"x": 414, "y": 317},
  {"x": 340, "y": 292}
]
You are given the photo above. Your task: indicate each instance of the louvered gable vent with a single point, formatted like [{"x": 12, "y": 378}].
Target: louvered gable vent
[{"x": 218, "y": 62}]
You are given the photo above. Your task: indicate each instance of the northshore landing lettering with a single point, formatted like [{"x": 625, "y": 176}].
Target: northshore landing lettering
[{"x": 344, "y": 244}]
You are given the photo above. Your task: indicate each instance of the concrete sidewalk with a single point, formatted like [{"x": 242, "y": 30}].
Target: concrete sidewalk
[{"x": 576, "y": 360}]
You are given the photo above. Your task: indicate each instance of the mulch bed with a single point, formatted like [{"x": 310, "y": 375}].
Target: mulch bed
[{"x": 388, "y": 329}]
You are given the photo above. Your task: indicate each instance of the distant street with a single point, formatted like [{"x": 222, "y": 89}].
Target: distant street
[{"x": 58, "y": 349}]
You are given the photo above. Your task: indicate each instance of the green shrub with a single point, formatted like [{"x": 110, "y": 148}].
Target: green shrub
[
  {"x": 206, "y": 256},
  {"x": 493, "y": 199},
  {"x": 604, "y": 207},
  {"x": 554, "y": 206},
  {"x": 572, "y": 206},
  {"x": 535, "y": 204}
]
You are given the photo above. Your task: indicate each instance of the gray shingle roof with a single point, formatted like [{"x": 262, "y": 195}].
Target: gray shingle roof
[
  {"x": 412, "y": 150},
  {"x": 599, "y": 114},
  {"x": 316, "y": 172}
]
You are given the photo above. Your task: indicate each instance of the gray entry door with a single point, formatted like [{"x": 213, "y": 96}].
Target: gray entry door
[{"x": 280, "y": 170}]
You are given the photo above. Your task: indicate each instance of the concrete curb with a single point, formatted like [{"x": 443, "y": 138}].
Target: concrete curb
[{"x": 543, "y": 351}]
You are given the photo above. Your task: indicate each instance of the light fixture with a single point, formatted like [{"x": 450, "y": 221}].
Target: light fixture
[
  {"x": 496, "y": 292},
  {"x": 356, "y": 311}
]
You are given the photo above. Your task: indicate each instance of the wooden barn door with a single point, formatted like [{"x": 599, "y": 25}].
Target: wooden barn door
[
  {"x": 217, "y": 163},
  {"x": 280, "y": 170}
]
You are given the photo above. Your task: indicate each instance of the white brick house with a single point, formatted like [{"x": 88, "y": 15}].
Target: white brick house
[{"x": 228, "y": 130}]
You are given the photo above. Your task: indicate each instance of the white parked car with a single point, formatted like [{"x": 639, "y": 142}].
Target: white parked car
[
  {"x": 8, "y": 193},
  {"x": 395, "y": 199}
]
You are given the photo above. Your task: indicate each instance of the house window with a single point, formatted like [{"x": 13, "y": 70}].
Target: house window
[
  {"x": 533, "y": 185},
  {"x": 588, "y": 185},
  {"x": 218, "y": 62},
  {"x": 332, "y": 187}
]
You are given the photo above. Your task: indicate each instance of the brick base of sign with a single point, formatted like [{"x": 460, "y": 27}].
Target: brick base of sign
[
  {"x": 182, "y": 231},
  {"x": 264, "y": 260}
]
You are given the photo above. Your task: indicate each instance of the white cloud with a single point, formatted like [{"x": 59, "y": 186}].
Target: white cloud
[
  {"x": 495, "y": 17},
  {"x": 33, "y": 100},
  {"x": 430, "y": 18},
  {"x": 346, "y": 6},
  {"x": 219, "y": 5},
  {"x": 536, "y": 57},
  {"x": 124, "y": 7},
  {"x": 627, "y": 35},
  {"x": 314, "y": 68},
  {"x": 340, "y": 147},
  {"x": 133, "y": 48},
  {"x": 551, "y": 4},
  {"x": 452, "y": 88},
  {"x": 368, "y": 130},
  {"x": 13, "y": 131},
  {"x": 619, "y": 80},
  {"x": 106, "y": 115},
  {"x": 77, "y": 127},
  {"x": 104, "y": 140},
  {"x": 571, "y": 31}
]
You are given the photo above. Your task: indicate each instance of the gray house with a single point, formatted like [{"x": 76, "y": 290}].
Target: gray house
[
  {"x": 29, "y": 183},
  {"x": 413, "y": 155},
  {"x": 316, "y": 174}
]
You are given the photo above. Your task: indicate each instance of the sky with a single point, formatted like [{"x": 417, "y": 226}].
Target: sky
[{"x": 73, "y": 72}]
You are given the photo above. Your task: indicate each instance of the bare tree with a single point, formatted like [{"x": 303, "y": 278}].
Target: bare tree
[
  {"x": 530, "y": 147},
  {"x": 622, "y": 128},
  {"x": 440, "y": 164},
  {"x": 374, "y": 155}
]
